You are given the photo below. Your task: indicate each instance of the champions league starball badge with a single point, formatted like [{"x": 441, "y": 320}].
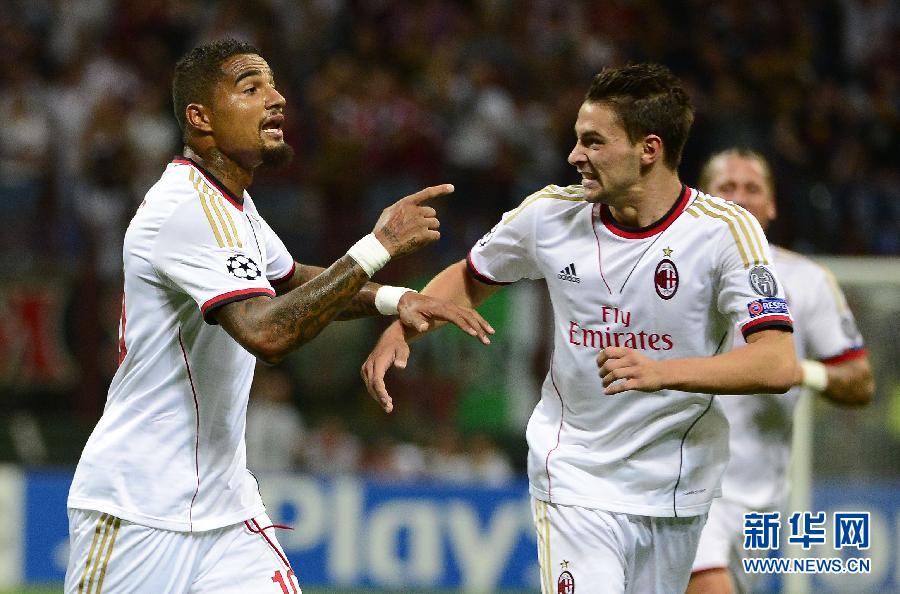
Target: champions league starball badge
[
  {"x": 243, "y": 267},
  {"x": 763, "y": 281}
]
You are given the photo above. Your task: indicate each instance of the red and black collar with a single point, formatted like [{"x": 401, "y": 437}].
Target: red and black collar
[
  {"x": 659, "y": 226},
  {"x": 237, "y": 201}
]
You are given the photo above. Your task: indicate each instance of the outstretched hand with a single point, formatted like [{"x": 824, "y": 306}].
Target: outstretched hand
[
  {"x": 624, "y": 369},
  {"x": 422, "y": 313},
  {"x": 391, "y": 349},
  {"x": 419, "y": 313}
]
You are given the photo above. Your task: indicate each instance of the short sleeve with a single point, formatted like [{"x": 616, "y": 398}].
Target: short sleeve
[
  {"x": 750, "y": 294},
  {"x": 187, "y": 255},
  {"x": 280, "y": 264},
  {"x": 505, "y": 254},
  {"x": 832, "y": 336}
]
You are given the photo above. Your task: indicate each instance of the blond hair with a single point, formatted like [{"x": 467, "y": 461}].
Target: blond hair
[{"x": 706, "y": 172}]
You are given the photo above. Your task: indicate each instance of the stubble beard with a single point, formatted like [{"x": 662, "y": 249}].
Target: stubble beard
[{"x": 276, "y": 157}]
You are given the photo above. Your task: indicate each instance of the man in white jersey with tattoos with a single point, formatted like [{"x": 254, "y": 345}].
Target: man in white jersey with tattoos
[
  {"x": 648, "y": 279},
  {"x": 162, "y": 501},
  {"x": 834, "y": 364}
]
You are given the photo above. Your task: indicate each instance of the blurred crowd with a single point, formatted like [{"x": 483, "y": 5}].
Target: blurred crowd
[
  {"x": 280, "y": 439},
  {"x": 385, "y": 96}
]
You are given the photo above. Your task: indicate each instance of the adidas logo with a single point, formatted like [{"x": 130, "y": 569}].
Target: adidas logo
[{"x": 568, "y": 274}]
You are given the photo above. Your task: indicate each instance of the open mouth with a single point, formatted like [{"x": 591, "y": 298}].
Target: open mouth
[{"x": 271, "y": 127}]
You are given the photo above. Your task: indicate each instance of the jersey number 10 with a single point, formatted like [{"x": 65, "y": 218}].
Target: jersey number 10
[{"x": 279, "y": 579}]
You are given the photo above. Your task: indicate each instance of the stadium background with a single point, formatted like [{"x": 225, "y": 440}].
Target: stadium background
[{"x": 383, "y": 98}]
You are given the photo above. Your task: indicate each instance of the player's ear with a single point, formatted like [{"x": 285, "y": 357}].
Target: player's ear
[
  {"x": 197, "y": 117},
  {"x": 651, "y": 149}
]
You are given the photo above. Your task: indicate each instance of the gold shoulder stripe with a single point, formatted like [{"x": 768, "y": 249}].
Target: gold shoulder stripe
[
  {"x": 731, "y": 227},
  {"x": 692, "y": 210},
  {"x": 211, "y": 197},
  {"x": 227, "y": 211},
  {"x": 537, "y": 196},
  {"x": 742, "y": 225},
  {"x": 575, "y": 190},
  {"x": 212, "y": 222},
  {"x": 755, "y": 236},
  {"x": 209, "y": 217},
  {"x": 745, "y": 227}
]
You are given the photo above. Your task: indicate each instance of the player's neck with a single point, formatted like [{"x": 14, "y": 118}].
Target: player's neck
[
  {"x": 648, "y": 201},
  {"x": 234, "y": 177}
]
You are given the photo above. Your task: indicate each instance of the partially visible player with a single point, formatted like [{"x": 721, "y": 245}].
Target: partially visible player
[
  {"x": 834, "y": 364},
  {"x": 162, "y": 502},
  {"x": 648, "y": 279}
]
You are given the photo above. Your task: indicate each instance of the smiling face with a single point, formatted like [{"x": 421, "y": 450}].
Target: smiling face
[
  {"x": 248, "y": 113},
  {"x": 609, "y": 163}
]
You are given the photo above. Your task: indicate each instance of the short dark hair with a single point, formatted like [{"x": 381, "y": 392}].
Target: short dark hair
[
  {"x": 648, "y": 99},
  {"x": 706, "y": 172},
  {"x": 198, "y": 71}
]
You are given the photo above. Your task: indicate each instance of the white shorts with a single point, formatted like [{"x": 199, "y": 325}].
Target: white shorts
[
  {"x": 615, "y": 553},
  {"x": 722, "y": 544},
  {"x": 108, "y": 555}
]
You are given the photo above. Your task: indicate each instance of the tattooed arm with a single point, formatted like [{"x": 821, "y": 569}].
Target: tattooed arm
[
  {"x": 361, "y": 305},
  {"x": 271, "y": 328},
  {"x": 292, "y": 282}
]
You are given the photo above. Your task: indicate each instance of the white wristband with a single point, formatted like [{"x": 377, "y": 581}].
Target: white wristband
[
  {"x": 369, "y": 254},
  {"x": 387, "y": 298},
  {"x": 815, "y": 375}
]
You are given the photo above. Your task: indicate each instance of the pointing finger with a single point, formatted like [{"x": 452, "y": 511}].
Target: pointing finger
[{"x": 430, "y": 193}]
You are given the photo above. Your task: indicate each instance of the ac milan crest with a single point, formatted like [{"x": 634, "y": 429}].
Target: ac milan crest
[
  {"x": 666, "y": 279},
  {"x": 565, "y": 584}
]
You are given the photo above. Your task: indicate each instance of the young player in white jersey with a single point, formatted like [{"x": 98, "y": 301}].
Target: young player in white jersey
[
  {"x": 162, "y": 500},
  {"x": 834, "y": 364},
  {"x": 648, "y": 279}
]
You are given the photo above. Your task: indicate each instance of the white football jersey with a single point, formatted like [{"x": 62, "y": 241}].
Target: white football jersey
[
  {"x": 674, "y": 289},
  {"x": 169, "y": 450},
  {"x": 762, "y": 426}
]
